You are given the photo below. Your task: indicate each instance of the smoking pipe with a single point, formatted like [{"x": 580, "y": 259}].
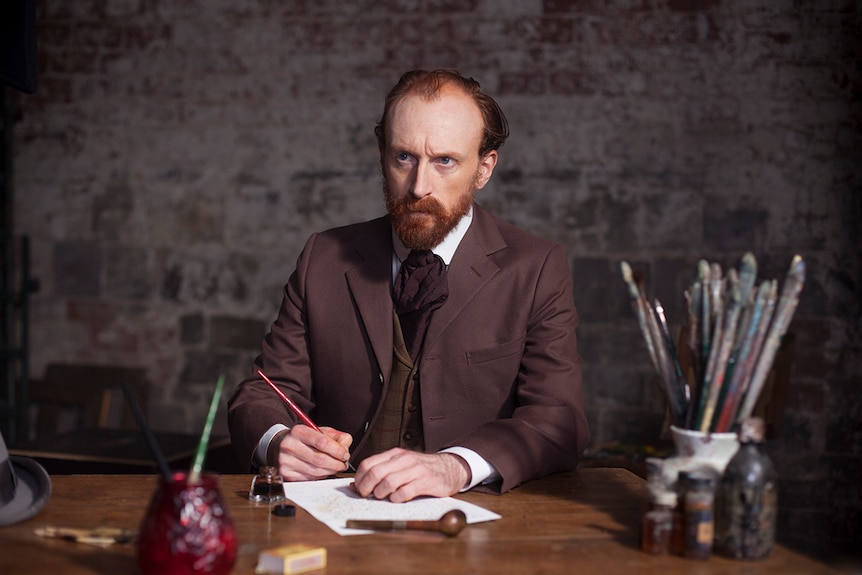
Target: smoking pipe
[{"x": 450, "y": 524}]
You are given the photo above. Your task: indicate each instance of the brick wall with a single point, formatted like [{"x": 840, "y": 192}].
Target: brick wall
[{"x": 177, "y": 155}]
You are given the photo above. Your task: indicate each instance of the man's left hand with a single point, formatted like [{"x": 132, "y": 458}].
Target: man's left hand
[{"x": 402, "y": 475}]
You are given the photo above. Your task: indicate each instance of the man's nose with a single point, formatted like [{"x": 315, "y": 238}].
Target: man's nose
[{"x": 421, "y": 181}]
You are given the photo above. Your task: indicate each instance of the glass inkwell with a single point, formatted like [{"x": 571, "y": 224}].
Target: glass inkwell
[{"x": 267, "y": 486}]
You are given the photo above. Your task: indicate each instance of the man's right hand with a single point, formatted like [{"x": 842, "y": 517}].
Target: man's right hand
[{"x": 304, "y": 454}]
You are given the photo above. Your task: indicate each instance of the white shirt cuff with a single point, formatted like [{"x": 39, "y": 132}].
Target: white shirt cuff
[
  {"x": 263, "y": 444},
  {"x": 481, "y": 471}
]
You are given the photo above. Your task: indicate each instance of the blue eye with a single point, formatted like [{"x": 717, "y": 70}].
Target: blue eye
[
  {"x": 403, "y": 157},
  {"x": 445, "y": 160}
]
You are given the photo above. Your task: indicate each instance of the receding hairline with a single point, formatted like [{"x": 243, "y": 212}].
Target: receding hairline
[{"x": 436, "y": 83}]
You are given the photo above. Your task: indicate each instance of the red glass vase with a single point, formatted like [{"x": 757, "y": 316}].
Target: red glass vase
[{"x": 187, "y": 529}]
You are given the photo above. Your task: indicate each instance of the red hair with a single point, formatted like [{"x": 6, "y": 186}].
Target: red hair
[{"x": 428, "y": 83}]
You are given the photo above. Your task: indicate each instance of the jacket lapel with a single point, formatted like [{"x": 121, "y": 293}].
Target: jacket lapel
[
  {"x": 469, "y": 270},
  {"x": 369, "y": 282}
]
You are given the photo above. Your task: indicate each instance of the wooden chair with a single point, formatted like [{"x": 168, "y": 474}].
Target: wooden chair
[
  {"x": 85, "y": 425},
  {"x": 73, "y": 397}
]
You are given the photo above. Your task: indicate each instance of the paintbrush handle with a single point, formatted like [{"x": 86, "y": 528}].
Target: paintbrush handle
[
  {"x": 743, "y": 351},
  {"x": 757, "y": 346},
  {"x": 148, "y": 434},
  {"x": 783, "y": 314},
  {"x": 682, "y": 385},
  {"x": 709, "y": 372},
  {"x": 200, "y": 454},
  {"x": 723, "y": 354},
  {"x": 672, "y": 387},
  {"x": 640, "y": 311}
]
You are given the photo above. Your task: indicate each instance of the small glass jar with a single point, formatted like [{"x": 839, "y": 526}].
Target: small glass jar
[
  {"x": 267, "y": 486},
  {"x": 657, "y": 524}
]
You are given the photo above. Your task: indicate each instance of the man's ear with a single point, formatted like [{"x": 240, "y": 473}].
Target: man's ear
[{"x": 486, "y": 168}]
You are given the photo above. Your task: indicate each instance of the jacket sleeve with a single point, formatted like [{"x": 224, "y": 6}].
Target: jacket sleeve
[
  {"x": 254, "y": 407},
  {"x": 547, "y": 429}
]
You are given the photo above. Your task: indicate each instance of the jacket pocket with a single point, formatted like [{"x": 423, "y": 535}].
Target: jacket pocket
[{"x": 497, "y": 352}]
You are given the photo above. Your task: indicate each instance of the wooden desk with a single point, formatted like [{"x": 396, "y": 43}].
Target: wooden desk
[
  {"x": 585, "y": 521},
  {"x": 123, "y": 451}
]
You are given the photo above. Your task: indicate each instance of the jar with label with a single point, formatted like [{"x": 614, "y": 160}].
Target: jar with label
[
  {"x": 746, "y": 499},
  {"x": 698, "y": 515}
]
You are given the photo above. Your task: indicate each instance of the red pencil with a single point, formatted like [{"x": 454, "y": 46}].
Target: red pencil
[{"x": 293, "y": 407}]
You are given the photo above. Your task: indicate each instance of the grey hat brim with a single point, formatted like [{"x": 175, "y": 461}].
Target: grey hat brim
[{"x": 31, "y": 492}]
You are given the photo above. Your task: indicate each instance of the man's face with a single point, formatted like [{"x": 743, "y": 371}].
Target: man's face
[{"x": 431, "y": 165}]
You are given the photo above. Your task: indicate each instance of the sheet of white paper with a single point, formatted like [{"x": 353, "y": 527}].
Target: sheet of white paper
[{"x": 332, "y": 502}]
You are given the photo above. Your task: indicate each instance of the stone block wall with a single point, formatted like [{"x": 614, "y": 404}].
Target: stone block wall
[{"x": 177, "y": 154}]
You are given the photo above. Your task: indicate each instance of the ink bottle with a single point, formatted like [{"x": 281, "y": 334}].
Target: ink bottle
[
  {"x": 657, "y": 524},
  {"x": 267, "y": 486},
  {"x": 746, "y": 498},
  {"x": 699, "y": 515}
]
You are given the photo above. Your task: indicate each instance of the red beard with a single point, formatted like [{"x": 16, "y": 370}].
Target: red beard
[{"x": 423, "y": 224}]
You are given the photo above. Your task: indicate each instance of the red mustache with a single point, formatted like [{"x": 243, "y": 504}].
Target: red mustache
[{"x": 428, "y": 206}]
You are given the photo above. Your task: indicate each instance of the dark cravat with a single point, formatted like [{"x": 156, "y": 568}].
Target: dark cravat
[{"x": 420, "y": 288}]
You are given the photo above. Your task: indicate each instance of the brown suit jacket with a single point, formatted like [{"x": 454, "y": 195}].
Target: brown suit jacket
[{"x": 500, "y": 373}]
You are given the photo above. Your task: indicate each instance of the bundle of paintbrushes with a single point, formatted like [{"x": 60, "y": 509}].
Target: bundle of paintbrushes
[{"x": 734, "y": 329}]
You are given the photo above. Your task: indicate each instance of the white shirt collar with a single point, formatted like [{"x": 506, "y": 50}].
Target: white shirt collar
[{"x": 445, "y": 249}]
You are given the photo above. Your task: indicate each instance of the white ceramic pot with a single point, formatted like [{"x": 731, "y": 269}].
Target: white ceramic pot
[
  {"x": 713, "y": 449},
  {"x": 694, "y": 450}
]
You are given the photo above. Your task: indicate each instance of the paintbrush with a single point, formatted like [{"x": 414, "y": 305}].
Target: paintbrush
[
  {"x": 640, "y": 313},
  {"x": 99, "y": 536},
  {"x": 719, "y": 294},
  {"x": 148, "y": 434},
  {"x": 705, "y": 333},
  {"x": 673, "y": 390},
  {"x": 200, "y": 453},
  {"x": 757, "y": 344},
  {"x": 730, "y": 402},
  {"x": 652, "y": 325},
  {"x": 724, "y": 345},
  {"x": 716, "y": 294},
  {"x": 692, "y": 301},
  {"x": 747, "y": 277},
  {"x": 652, "y": 336},
  {"x": 684, "y": 387},
  {"x": 783, "y": 314},
  {"x": 709, "y": 370}
]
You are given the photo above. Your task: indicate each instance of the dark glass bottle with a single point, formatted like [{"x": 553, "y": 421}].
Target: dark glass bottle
[{"x": 746, "y": 499}]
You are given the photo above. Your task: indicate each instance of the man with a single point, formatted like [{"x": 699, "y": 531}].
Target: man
[{"x": 439, "y": 371}]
